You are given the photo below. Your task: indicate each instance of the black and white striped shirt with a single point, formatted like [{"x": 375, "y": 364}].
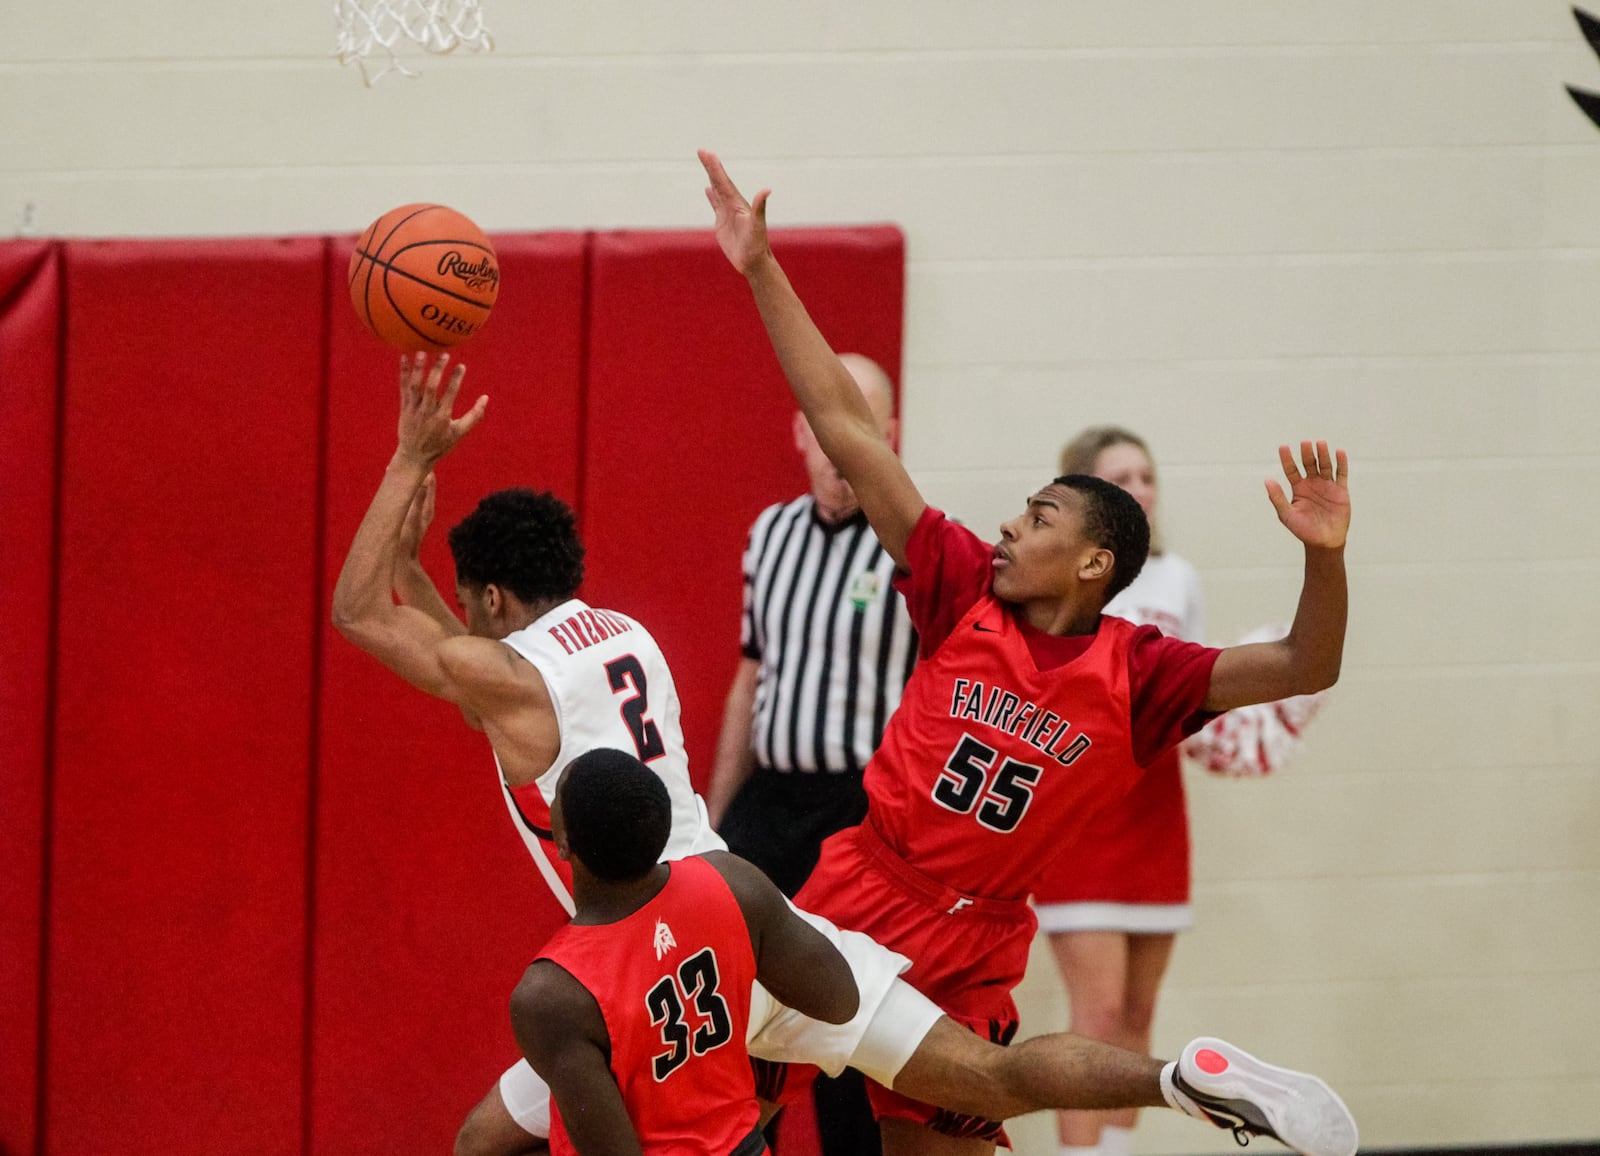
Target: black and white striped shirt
[{"x": 833, "y": 638}]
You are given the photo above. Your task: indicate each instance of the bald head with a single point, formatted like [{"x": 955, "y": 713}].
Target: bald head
[
  {"x": 835, "y": 500},
  {"x": 875, "y": 387}
]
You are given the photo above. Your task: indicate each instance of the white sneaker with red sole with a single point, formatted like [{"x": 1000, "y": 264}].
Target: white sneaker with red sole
[{"x": 1213, "y": 1080}]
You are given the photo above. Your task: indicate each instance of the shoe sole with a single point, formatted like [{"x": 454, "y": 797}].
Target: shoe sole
[{"x": 1307, "y": 1115}]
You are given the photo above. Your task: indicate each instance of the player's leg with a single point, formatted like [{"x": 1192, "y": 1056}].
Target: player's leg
[
  {"x": 512, "y": 1120},
  {"x": 907, "y": 1046},
  {"x": 1211, "y": 1080},
  {"x": 1094, "y": 968},
  {"x": 956, "y": 1069},
  {"x": 489, "y": 1130},
  {"x": 920, "y": 1057},
  {"x": 939, "y": 1077},
  {"x": 1147, "y": 959}
]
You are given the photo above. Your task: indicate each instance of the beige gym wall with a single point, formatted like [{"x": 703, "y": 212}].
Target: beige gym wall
[{"x": 1224, "y": 223}]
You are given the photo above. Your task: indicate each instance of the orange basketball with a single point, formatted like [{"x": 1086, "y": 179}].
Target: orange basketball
[{"x": 423, "y": 277}]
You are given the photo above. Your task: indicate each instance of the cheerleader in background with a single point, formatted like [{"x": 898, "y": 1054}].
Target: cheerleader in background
[{"x": 1113, "y": 903}]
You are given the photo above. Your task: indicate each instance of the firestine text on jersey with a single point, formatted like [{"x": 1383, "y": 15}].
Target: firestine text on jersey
[
  {"x": 1016, "y": 716},
  {"x": 586, "y": 628}
]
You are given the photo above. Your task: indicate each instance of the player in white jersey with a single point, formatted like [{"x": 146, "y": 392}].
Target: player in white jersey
[
  {"x": 546, "y": 677},
  {"x": 610, "y": 687}
]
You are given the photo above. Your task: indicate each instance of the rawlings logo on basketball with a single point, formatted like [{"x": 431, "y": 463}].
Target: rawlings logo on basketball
[
  {"x": 423, "y": 277},
  {"x": 480, "y": 275}
]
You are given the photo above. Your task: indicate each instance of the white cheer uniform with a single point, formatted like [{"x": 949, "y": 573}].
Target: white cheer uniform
[{"x": 1129, "y": 870}]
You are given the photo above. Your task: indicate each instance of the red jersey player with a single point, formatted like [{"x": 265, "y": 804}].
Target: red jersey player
[
  {"x": 636, "y": 1012},
  {"x": 542, "y": 705},
  {"x": 1029, "y": 710}
]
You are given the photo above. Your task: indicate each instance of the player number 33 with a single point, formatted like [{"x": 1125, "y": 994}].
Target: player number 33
[{"x": 695, "y": 982}]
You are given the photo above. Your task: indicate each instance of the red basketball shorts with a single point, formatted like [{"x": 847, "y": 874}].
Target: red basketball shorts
[{"x": 967, "y": 954}]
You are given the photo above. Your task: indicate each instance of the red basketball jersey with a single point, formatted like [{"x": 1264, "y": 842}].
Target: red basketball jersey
[
  {"x": 673, "y": 984},
  {"x": 990, "y": 765}
]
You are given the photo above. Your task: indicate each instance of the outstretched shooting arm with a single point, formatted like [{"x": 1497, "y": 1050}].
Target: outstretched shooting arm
[{"x": 406, "y": 640}]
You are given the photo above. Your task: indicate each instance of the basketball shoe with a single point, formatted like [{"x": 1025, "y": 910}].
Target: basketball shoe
[{"x": 1216, "y": 1081}]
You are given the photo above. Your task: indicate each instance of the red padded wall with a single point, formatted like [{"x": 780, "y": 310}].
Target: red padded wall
[
  {"x": 428, "y": 907},
  {"x": 177, "y": 952},
  {"x": 689, "y": 427},
  {"x": 29, "y": 311},
  {"x": 225, "y": 422}
]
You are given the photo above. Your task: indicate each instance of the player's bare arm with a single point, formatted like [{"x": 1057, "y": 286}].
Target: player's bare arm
[
  {"x": 560, "y": 1030},
  {"x": 828, "y": 395},
  {"x": 793, "y": 961},
  {"x": 505, "y": 696},
  {"x": 412, "y": 583},
  {"x": 1317, "y": 511},
  {"x": 403, "y": 638}
]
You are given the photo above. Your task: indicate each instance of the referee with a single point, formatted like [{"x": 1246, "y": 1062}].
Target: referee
[{"x": 828, "y": 648}]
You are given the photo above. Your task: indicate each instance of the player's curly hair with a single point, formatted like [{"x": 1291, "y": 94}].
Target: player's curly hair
[
  {"x": 616, "y": 813},
  {"x": 520, "y": 541},
  {"x": 1114, "y": 521}
]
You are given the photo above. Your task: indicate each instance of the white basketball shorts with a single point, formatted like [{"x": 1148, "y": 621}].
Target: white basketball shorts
[{"x": 891, "y": 1021}]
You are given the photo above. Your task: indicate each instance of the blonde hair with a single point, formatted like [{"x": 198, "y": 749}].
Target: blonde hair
[{"x": 1079, "y": 455}]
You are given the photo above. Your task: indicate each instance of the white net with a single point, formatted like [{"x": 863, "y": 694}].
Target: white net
[{"x": 373, "y": 33}]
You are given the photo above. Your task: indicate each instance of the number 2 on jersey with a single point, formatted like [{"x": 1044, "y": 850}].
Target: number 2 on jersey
[
  {"x": 624, "y": 674},
  {"x": 695, "y": 982}
]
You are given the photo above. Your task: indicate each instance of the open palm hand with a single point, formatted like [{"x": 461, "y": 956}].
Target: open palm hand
[{"x": 1317, "y": 508}]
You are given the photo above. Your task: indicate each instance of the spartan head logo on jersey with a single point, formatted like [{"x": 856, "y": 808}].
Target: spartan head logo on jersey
[{"x": 664, "y": 941}]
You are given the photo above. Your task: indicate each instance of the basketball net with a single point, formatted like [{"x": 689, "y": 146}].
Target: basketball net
[{"x": 373, "y": 32}]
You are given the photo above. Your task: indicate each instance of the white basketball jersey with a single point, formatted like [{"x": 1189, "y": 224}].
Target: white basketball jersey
[
  {"x": 1166, "y": 595},
  {"x": 611, "y": 688}
]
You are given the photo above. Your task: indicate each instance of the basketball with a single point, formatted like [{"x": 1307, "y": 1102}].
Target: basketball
[{"x": 423, "y": 277}]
